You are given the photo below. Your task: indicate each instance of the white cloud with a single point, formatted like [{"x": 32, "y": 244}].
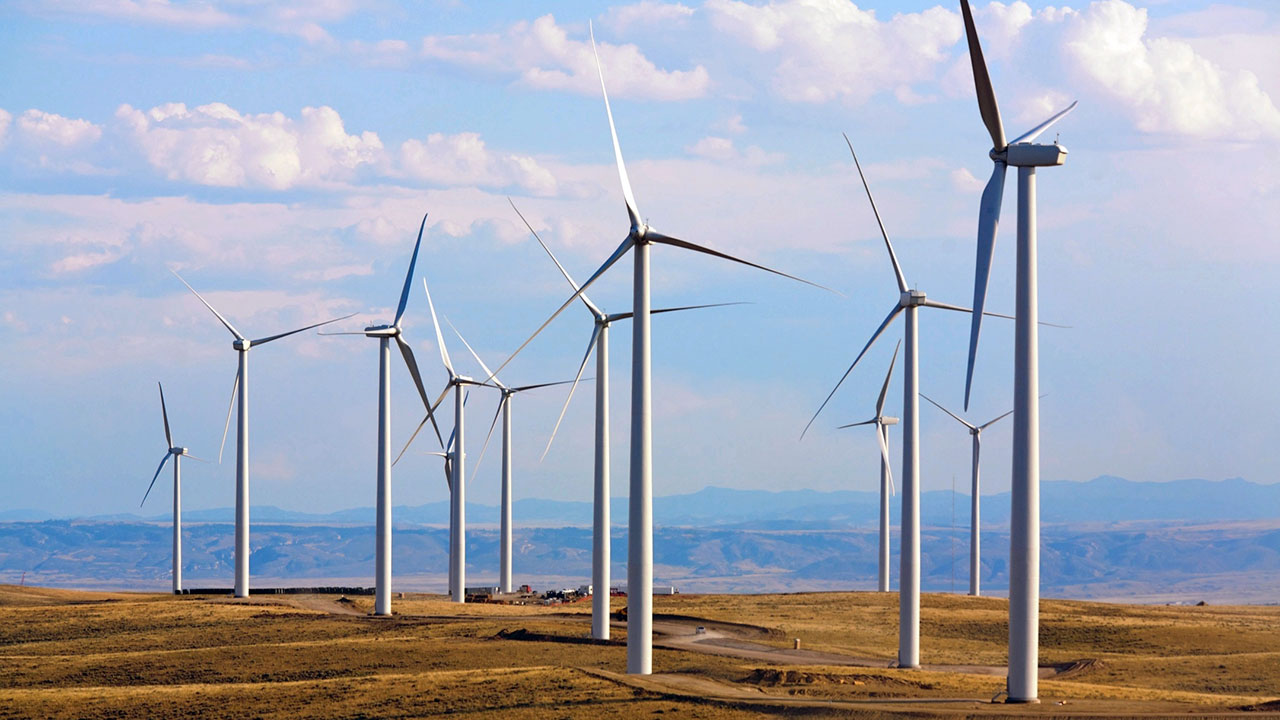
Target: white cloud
[
  {"x": 84, "y": 261},
  {"x": 544, "y": 57},
  {"x": 829, "y": 49},
  {"x": 964, "y": 181},
  {"x": 5, "y": 119},
  {"x": 463, "y": 159},
  {"x": 66, "y": 132},
  {"x": 162, "y": 12},
  {"x": 216, "y": 145},
  {"x": 1162, "y": 82},
  {"x": 722, "y": 149},
  {"x": 647, "y": 13}
]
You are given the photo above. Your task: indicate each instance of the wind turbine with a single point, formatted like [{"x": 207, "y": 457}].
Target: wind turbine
[
  {"x": 384, "y": 334},
  {"x": 601, "y": 551},
  {"x": 640, "y": 515},
  {"x": 882, "y": 424},
  {"x": 908, "y": 304},
  {"x": 457, "y": 481},
  {"x": 1024, "y": 521},
  {"x": 504, "y": 410},
  {"x": 177, "y": 453},
  {"x": 975, "y": 555},
  {"x": 241, "y": 344}
]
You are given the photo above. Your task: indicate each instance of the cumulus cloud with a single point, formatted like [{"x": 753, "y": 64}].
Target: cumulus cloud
[
  {"x": 829, "y": 49},
  {"x": 1162, "y": 82},
  {"x": 463, "y": 159},
  {"x": 722, "y": 149},
  {"x": 645, "y": 13},
  {"x": 216, "y": 145},
  {"x": 43, "y": 127},
  {"x": 544, "y": 57}
]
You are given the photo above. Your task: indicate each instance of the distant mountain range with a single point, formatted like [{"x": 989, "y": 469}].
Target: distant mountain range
[
  {"x": 1101, "y": 500},
  {"x": 1107, "y": 538}
]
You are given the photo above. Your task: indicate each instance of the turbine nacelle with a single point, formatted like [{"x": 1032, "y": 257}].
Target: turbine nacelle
[
  {"x": 888, "y": 420},
  {"x": 1032, "y": 155},
  {"x": 381, "y": 331},
  {"x": 911, "y": 298},
  {"x": 177, "y": 451},
  {"x": 241, "y": 344}
]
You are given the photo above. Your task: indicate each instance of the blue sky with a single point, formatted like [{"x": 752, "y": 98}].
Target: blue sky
[{"x": 280, "y": 155}]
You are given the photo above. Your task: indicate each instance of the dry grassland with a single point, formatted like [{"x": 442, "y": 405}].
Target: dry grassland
[{"x": 68, "y": 654}]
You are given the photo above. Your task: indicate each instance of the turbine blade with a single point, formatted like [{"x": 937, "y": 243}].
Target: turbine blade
[
  {"x": 982, "y": 81},
  {"x": 690, "y": 307},
  {"x": 476, "y": 470},
  {"x": 988, "y": 219},
  {"x": 523, "y": 388},
  {"x": 483, "y": 367},
  {"x": 615, "y": 257},
  {"x": 165, "y": 414},
  {"x": 193, "y": 457},
  {"x": 268, "y": 339},
  {"x": 591, "y": 344},
  {"x": 993, "y": 422},
  {"x": 163, "y": 460},
  {"x": 408, "y": 277},
  {"x": 327, "y": 334},
  {"x": 959, "y": 419},
  {"x": 234, "y": 384},
  {"x": 884, "y": 456},
  {"x": 884, "y": 389},
  {"x": 892, "y": 314},
  {"x": 988, "y": 313},
  {"x": 585, "y": 300},
  {"x": 216, "y": 314},
  {"x": 893, "y": 257},
  {"x": 412, "y": 363},
  {"x": 657, "y": 237},
  {"x": 632, "y": 211},
  {"x": 435, "y": 321},
  {"x": 865, "y": 422},
  {"x": 1034, "y": 132}
]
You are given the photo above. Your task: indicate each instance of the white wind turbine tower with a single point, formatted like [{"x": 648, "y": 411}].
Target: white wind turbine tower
[
  {"x": 177, "y": 453},
  {"x": 909, "y": 301},
  {"x": 241, "y": 344},
  {"x": 503, "y": 411},
  {"x": 640, "y": 516},
  {"x": 384, "y": 334},
  {"x": 975, "y": 514},
  {"x": 1024, "y": 522},
  {"x": 457, "y": 481},
  {"x": 599, "y": 342},
  {"x": 882, "y": 423}
]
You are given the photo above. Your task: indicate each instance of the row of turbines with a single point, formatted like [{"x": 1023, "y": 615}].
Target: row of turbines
[{"x": 1021, "y": 152}]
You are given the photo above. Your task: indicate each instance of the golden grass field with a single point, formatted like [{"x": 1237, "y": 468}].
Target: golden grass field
[{"x": 71, "y": 654}]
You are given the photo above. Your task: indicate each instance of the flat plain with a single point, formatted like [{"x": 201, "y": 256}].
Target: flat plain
[{"x": 73, "y": 654}]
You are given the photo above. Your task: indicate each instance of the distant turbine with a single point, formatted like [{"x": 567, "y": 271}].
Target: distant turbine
[
  {"x": 909, "y": 301},
  {"x": 504, "y": 410},
  {"x": 640, "y": 520},
  {"x": 177, "y": 453},
  {"x": 882, "y": 424},
  {"x": 384, "y": 335},
  {"x": 457, "y": 480},
  {"x": 1024, "y": 520},
  {"x": 600, "y": 555},
  {"x": 975, "y": 515},
  {"x": 241, "y": 344}
]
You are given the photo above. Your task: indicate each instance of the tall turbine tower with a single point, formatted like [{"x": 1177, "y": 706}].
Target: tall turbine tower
[
  {"x": 1024, "y": 521},
  {"x": 384, "y": 334},
  {"x": 503, "y": 411},
  {"x": 457, "y": 482},
  {"x": 975, "y": 513},
  {"x": 909, "y": 302},
  {"x": 882, "y": 423},
  {"x": 599, "y": 342},
  {"x": 177, "y": 453},
  {"x": 640, "y": 515},
  {"x": 241, "y": 344}
]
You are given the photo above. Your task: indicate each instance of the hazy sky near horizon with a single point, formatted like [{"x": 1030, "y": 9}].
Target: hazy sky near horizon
[{"x": 280, "y": 156}]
